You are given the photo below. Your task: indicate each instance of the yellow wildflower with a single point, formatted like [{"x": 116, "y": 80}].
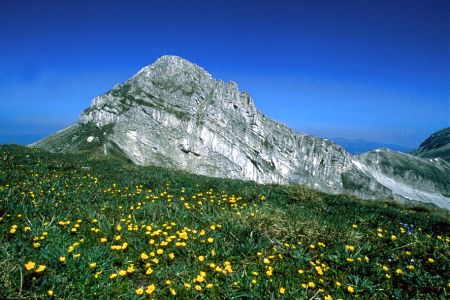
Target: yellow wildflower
[
  {"x": 97, "y": 274},
  {"x": 350, "y": 248},
  {"x": 150, "y": 289},
  {"x": 139, "y": 291},
  {"x": 131, "y": 269},
  {"x": 30, "y": 265},
  {"x": 40, "y": 269},
  {"x": 228, "y": 267}
]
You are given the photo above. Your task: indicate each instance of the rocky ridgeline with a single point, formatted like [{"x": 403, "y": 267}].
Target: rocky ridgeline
[
  {"x": 436, "y": 145},
  {"x": 174, "y": 114}
]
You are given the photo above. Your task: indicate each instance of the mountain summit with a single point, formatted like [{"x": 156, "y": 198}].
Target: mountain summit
[{"x": 174, "y": 114}]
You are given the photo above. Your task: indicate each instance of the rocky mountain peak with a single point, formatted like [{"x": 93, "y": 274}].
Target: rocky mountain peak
[
  {"x": 170, "y": 66},
  {"x": 174, "y": 114}
]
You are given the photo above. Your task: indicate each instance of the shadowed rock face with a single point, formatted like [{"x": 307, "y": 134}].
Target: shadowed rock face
[
  {"x": 174, "y": 114},
  {"x": 436, "y": 145}
]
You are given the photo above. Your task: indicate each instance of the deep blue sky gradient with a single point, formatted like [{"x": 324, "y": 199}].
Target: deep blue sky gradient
[{"x": 377, "y": 70}]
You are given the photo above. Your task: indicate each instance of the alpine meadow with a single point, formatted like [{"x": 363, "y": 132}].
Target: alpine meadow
[{"x": 78, "y": 227}]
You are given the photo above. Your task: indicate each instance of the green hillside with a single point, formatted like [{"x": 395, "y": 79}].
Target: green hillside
[{"x": 77, "y": 228}]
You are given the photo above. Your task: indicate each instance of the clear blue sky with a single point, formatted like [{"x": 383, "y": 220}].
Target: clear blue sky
[{"x": 377, "y": 70}]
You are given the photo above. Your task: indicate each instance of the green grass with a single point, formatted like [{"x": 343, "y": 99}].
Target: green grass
[{"x": 262, "y": 235}]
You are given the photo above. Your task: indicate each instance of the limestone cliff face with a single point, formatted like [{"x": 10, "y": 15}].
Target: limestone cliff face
[{"x": 174, "y": 114}]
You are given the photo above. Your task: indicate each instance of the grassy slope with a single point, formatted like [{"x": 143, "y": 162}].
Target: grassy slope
[{"x": 261, "y": 236}]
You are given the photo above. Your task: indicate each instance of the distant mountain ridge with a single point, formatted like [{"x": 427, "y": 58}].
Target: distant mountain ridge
[
  {"x": 436, "y": 145},
  {"x": 358, "y": 146},
  {"x": 174, "y": 114}
]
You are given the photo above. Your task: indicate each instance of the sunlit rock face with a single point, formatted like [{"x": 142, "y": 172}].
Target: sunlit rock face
[{"x": 174, "y": 114}]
